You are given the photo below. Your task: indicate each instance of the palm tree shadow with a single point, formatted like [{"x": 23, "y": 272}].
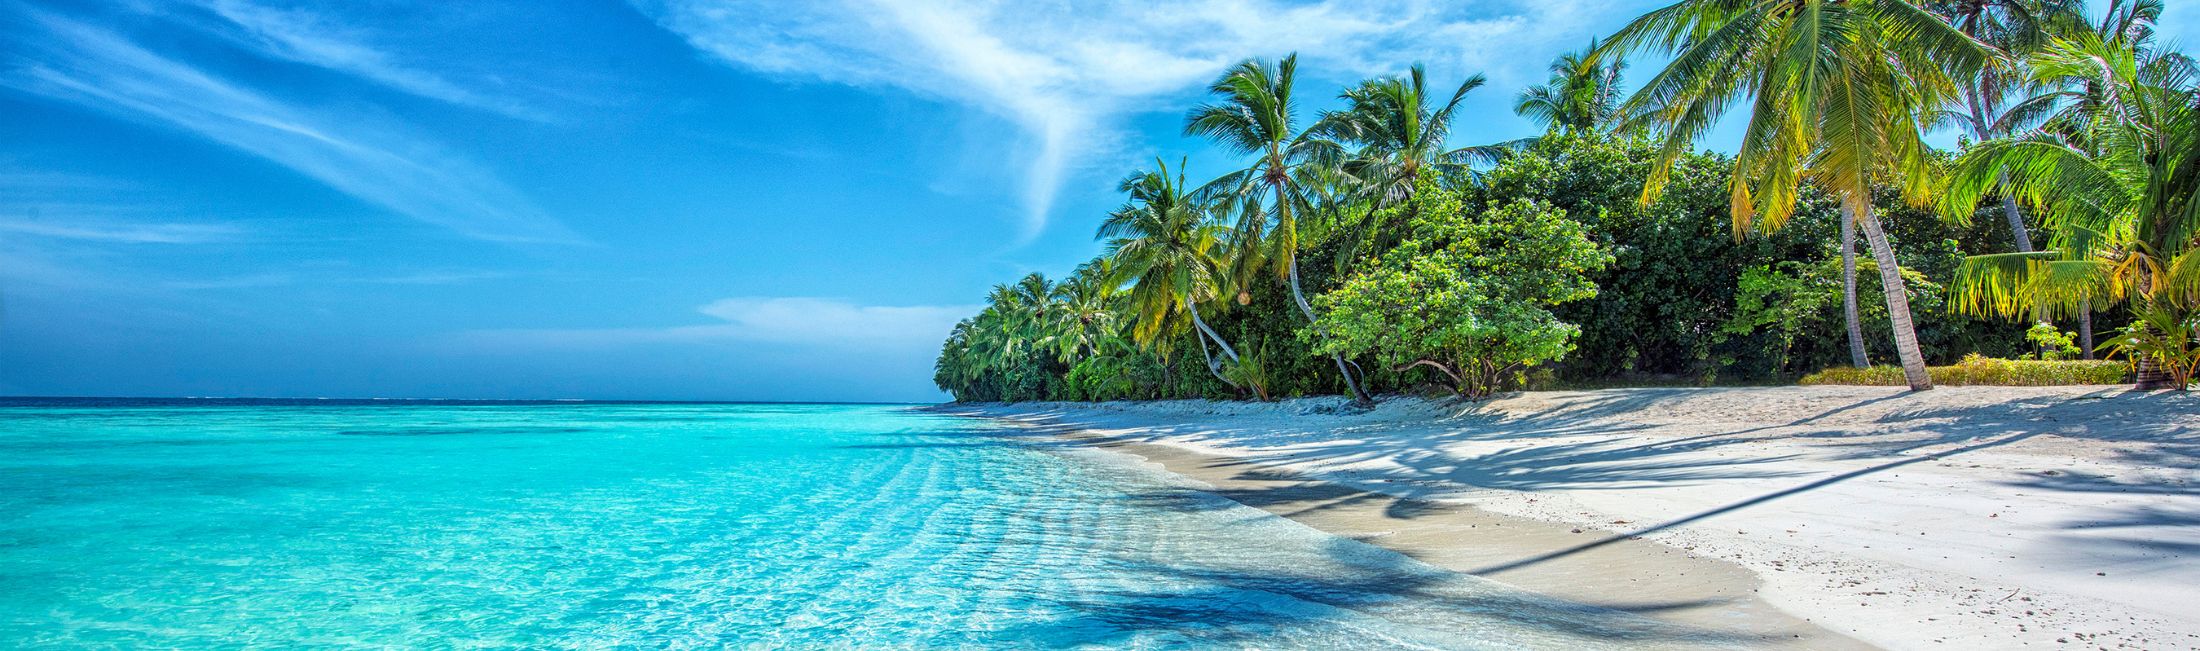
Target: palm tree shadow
[
  {"x": 1206, "y": 604},
  {"x": 1743, "y": 504}
]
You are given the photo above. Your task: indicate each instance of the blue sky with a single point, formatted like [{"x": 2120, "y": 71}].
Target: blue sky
[{"x": 669, "y": 199}]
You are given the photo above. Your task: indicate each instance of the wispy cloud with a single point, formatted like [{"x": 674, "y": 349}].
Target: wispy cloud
[
  {"x": 380, "y": 163},
  {"x": 294, "y": 278},
  {"x": 798, "y": 321},
  {"x": 1066, "y": 73},
  {"x": 303, "y": 36},
  {"x": 121, "y": 232}
]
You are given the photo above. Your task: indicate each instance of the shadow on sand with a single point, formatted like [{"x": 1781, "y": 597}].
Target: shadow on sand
[
  {"x": 1236, "y": 606},
  {"x": 1406, "y": 464}
]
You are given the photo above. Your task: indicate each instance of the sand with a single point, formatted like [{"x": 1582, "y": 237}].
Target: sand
[{"x": 1804, "y": 517}]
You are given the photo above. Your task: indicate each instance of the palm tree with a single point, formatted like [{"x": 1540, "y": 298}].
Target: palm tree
[
  {"x": 2072, "y": 100},
  {"x": 1253, "y": 116},
  {"x": 1165, "y": 245},
  {"x": 2114, "y": 177},
  {"x": 1400, "y": 131},
  {"x": 1998, "y": 102},
  {"x": 1837, "y": 88},
  {"x": 1582, "y": 96},
  {"x": 1084, "y": 313}
]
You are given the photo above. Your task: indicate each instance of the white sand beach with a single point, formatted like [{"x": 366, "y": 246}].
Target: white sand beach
[{"x": 1963, "y": 517}]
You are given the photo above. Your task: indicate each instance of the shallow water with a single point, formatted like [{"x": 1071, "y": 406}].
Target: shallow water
[{"x": 196, "y": 524}]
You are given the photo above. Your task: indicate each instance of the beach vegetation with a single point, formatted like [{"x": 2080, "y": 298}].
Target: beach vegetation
[
  {"x": 1350, "y": 253},
  {"x": 2113, "y": 175},
  {"x": 2052, "y": 343},
  {"x": 1979, "y": 370},
  {"x": 2162, "y": 341},
  {"x": 1836, "y": 93},
  {"x": 1252, "y": 114},
  {"x": 1467, "y": 294}
]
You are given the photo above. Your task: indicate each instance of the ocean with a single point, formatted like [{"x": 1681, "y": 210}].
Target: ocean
[{"x": 409, "y": 524}]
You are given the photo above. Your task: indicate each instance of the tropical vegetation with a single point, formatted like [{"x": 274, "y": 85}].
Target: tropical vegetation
[{"x": 1362, "y": 252}]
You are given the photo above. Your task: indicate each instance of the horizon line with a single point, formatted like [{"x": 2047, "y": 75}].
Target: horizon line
[{"x": 4, "y": 398}]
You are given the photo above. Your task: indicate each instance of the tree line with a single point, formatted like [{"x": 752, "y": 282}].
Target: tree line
[{"x": 1354, "y": 251}]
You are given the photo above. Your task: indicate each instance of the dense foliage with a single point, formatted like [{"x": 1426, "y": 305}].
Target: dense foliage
[
  {"x": 1467, "y": 294},
  {"x": 1360, "y": 253}
]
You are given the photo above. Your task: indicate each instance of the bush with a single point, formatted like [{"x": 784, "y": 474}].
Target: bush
[
  {"x": 1985, "y": 371},
  {"x": 1467, "y": 293},
  {"x": 2164, "y": 336},
  {"x": 2051, "y": 342}
]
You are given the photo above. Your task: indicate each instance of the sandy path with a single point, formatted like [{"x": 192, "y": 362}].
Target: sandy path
[{"x": 1965, "y": 517}]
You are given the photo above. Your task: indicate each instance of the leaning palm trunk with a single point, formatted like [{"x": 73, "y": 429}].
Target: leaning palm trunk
[
  {"x": 1227, "y": 351},
  {"x": 1291, "y": 265},
  {"x": 2016, "y": 219},
  {"x": 1898, "y": 300},
  {"x": 1214, "y": 365},
  {"x": 1848, "y": 290},
  {"x": 1307, "y": 309}
]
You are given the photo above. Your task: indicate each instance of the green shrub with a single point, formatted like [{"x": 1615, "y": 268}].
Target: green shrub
[
  {"x": 1467, "y": 294},
  {"x": 2170, "y": 339},
  {"x": 1985, "y": 371},
  {"x": 2051, "y": 343}
]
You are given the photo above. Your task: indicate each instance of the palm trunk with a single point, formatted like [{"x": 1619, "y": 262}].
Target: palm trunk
[
  {"x": 1898, "y": 300},
  {"x": 1212, "y": 365},
  {"x": 1979, "y": 106},
  {"x": 2147, "y": 375},
  {"x": 1848, "y": 289},
  {"x": 1227, "y": 351},
  {"x": 1203, "y": 334},
  {"x": 1298, "y": 295},
  {"x": 2085, "y": 328},
  {"x": 2016, "y": 219},
  {"x": 1343, "y": 371}
]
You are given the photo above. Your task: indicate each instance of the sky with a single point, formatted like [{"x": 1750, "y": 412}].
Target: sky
[{"x": 657, "y": 199}]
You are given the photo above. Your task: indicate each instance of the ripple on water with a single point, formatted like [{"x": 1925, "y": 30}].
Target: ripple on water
[{"x": 678, "y": 526}]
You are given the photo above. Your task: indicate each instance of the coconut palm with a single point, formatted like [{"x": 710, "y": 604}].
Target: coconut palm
[
  {"x": 2077, "y": 100},
  {"x": 1836, "y": 91},
  {"x": 1165, "y": 246},
  {"x": 1400, "y": 130},
  {"x": 2114, "y": 178},
  {"x": 1583, "y": 94},
  {"x": 1084, "y": 312},
  {"x": 1998, "y": 102},
  {"x": 1253, "y": 115}
]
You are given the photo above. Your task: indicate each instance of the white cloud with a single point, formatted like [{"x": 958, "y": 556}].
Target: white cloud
[
  {"x": 1066, "y": 73},
  {"x": 121, "y": 232},
  {"x": 795, "y": 321},
  {"x": 379, "y": 163},
  {"x": 302, "y": 36},
  {"x": 295, "y": 278}
]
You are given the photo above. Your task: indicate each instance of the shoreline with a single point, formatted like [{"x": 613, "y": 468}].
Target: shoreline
[
  {"x": 1659, "y": 582},
  {"x": 1555, "y": 514}
]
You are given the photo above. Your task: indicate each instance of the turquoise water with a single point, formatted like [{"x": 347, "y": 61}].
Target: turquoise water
[{"x": 134, "y": 525}]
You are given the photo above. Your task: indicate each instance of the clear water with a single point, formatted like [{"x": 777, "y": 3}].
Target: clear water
[{"x": 134, "y": 525}]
